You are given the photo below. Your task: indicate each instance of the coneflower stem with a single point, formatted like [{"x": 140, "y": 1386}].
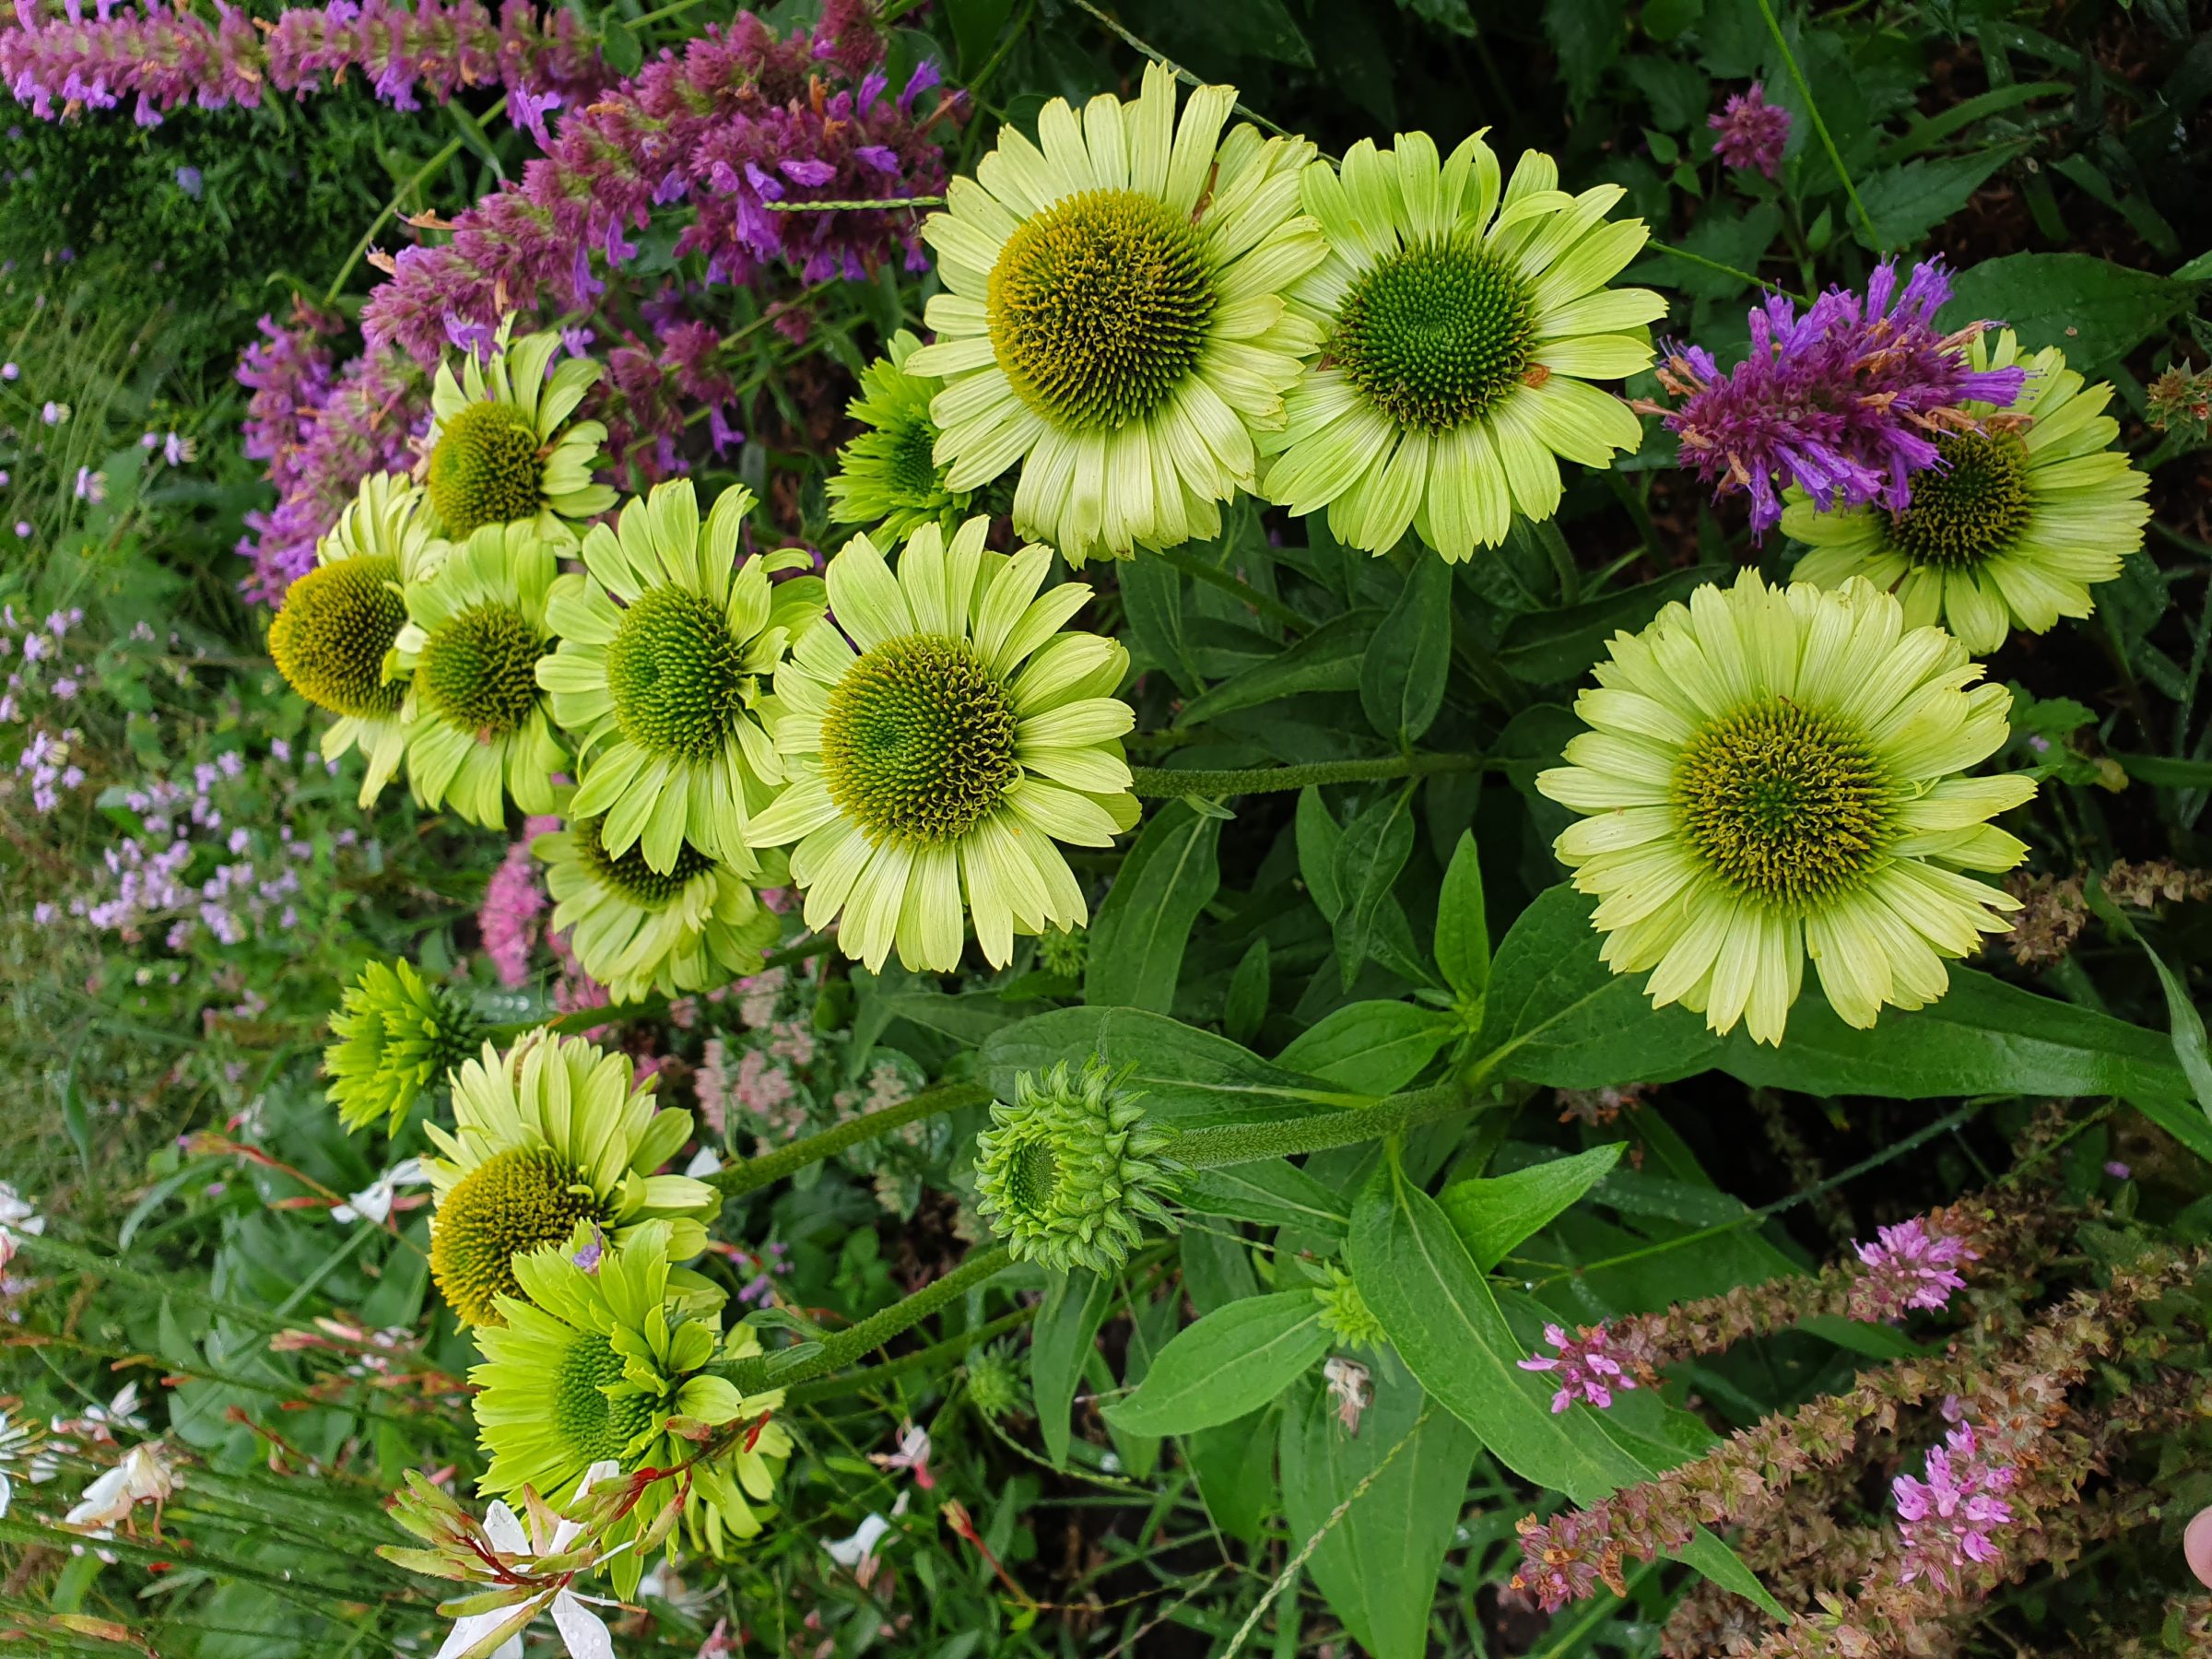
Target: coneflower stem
[
  {"x": 756, "y": 1172},
  {"x": 1171, "y": 783},
  {"x": 1249, "y": 1142}
]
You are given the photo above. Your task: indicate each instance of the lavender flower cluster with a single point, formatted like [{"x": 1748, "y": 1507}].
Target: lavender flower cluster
[
  {"x": 46, "y": 675},
  {"x": 743, "y": 119},
  {"x": 1844, "y": 400},
  {"x": 164, "y": 56}
]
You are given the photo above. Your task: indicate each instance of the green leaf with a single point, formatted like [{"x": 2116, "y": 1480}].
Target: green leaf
[
  {"x": 1553, "y": 646},
  {"x": 1905, "y": 203},
  {"x": 2186, "y": 1025},
  {"x": 1463, "y": 928},
  {"x": 1325, "y": 660},
  {"x": 1494, "y": 1213},
  {"x": 1587, "y": 35},
  {"x": 1375, "y": 847},
  {"x": 1378, "y": 1564},
  {"x": 1246, "y": 1003},
  {"x": 1374, "y": 1047},
  {"x": 1402, "y": 677},
  {"x": 619, "y": 46},
  {"x": 1318, "y": 839},
  {"x": 1259, "y": 29},
  {"x": 1233, "y": 1361},
  {"x": 1190, "y": 1079},
  {"x": 975, "y": 26},
  {"x": 1235, "y": 1466},
  {"x": 1075, "y": 1306},
  {"x": 1152, "y": 598},
  {"x": 1137, "y": 938},
  {"x": 1270, "y": 1191},
  {"x": 2091, "y": 309},
  {"x": 1930, "y": 131}
]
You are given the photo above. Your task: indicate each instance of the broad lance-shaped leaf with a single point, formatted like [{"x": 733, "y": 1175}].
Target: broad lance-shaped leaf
[
  {"x": 1462, "y": 929},
  {"x": 1375, "y": 1047},
  {"x": 1441, "y": 1316},
  {"x": 1138, "y": 936},
  {"x": 1402, "y": 675},
  {"x": 1375, "y": 847},
  {"x": 1270, "y": 1191},
  {"x": 1378, "y": 1564},
  {"x": 1493, "y": 1214},
  {"x": 1075, "y": 1306},
  {"x": 1233, "y": 1361}
]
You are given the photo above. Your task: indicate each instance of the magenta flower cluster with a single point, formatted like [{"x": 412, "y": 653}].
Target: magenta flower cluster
[
  {"x": 1750, "y": 131},
  {"x": 514, "y": 901},
  {"x": 164, "y": 56},
  {"x": 743, "y": 119},
  {"x": 1587, "y": 1367},
  {"x": 1907, "y": 1267},
  {"x": 1844, "y": 400},
  {"x": 1946, "y": 1523}
]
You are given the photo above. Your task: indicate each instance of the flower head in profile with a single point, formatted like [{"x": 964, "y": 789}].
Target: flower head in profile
[
  {"x": 1113, "y": 316},
  {"x": 606, "y": 1364},
  {"x": 2025, "y": 510},
  {"x": 888, "y": 478},
  {"x": 1907, "y": 1267},
  {"x": 667, "y": 640},
  {"x": 1771, "y": 773},
  {"x": 394, "y": 1037},
  {"x": 1072, "y": 1171},
  {"x": 1463, "y": 317},
  {"x": 478, "y": 730},
  {"x": 1846, "y": 402},
  {"x": 935, "y": 760},
  {"x": 1750, "y": 131},
  {"x": 501, "y": 448},
  {"x": 1948, "y": 1523},
  {"x": 144, "y": 1474},
  {"x": 333, "y": 639},
  {"x": 548, "y": 1135},
  {"x": 636, "y": 930}
]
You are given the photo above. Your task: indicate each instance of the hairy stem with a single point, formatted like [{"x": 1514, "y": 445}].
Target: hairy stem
[
  {"x": 849, "y": 1344},
  {"x": 756, "y": 1172},
  {"x": 1248, "y": 1142},
  {"x": 1163, "y": 782}
]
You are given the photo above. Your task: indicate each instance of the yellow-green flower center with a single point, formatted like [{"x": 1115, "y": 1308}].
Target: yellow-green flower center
[
  {"x": 1787, "y": 806},
  {"x": 330, "y": 639},
  {"x": 1972, "y": 506},
  {"x": 910, "y": 465},
  {"x": 678, "y": 676},
  {"x": 486, "y": 468},
  {"x": 1435, "y": 334},
  {"x": 630, "y": 876},
  {"x": 518, "y": 1200},
  {"x": 479, "y": 668},
  {"x": 1099, "y": 308},
  {"x": 918, "y": 744},
  {"x": 1032, "y": 1177},
  {"x": 590, "y": 1423}
]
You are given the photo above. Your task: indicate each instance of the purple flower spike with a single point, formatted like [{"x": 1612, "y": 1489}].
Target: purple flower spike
[
  {"x": 1750, "y": 131},
  {"x": 1909, "y": 1267},
  {"x": 1946, "y": 1521}
]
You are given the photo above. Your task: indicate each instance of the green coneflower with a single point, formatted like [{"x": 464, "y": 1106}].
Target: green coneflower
[
  {"x": 498, "y": 451},
  {"x": 949, "y": 753},
  {"x": 666, "y": 638},
  {"x": 1463, "y": 321},
  {"x": 1113, "y": 315},
  {"x": 2024, "y": 516},
  {"x": 1072, "y": 1170},
  {"x": 602, "y": 1363},
  {"x": 1777, "y": 773},
  {"x": 334, "y": 633},
  {"x": 477, "y": 729},
  {"x": 545, "y": 1135},
  {"x": 636, "y": 930},
  {"x": 395, "y": 1036},
  {"x": 994, "y": 1380},
  {"x": 888, "y": 478}
]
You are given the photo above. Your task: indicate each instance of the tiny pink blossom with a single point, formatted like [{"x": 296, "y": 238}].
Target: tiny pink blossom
[
  {"x": 1909, "y": 1267},
  {"x": 1945, "y": 1522},
  {"x": 1587, "y": 1370}
]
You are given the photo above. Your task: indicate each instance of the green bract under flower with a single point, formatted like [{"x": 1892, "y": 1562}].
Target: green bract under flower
[
  {"x": 478, "y": 727},
  {"x": 396, "y": 1036},
  {"x": 888, "y": 477},
  {"x": 2021, "y": 519},
  {"x": 933, "y": 769},
  {"x": 501, "y": 448},
  {"x": 667, "y": 639},
  {"x": 1772, "y": 773},
  {"x": 1462, "y": 317},
  {"x": 333, "y": 639},
  {"x": 1071, "y": 1172},
  {"x": 695, "y": 926},
  {"x": 1113, "y": 316},
  {"x": 547, "y": 1136},
  {"x": 600, "y": 1359}
]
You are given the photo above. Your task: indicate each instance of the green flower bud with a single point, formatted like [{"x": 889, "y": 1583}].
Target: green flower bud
[
  {"x": 396, "y": 1035},
  {"x": 1064, "y": 952},
  {"x": 994, "y": 1380},
  {"x": 1345, "y": 1313},
  {"x": 1071, "y": 1172}
]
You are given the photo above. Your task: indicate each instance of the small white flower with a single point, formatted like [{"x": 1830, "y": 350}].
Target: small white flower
[
  {"x": 858, "y": 1553},
  {"x": 583, "y": 1632},
  {"x": 373, "y": 1201},
  {"x": 19, "y": 1220},
  {"x": 706, "y": 1161},
  {"x": 1350, "y": 1387},
  {"x": 142, "y": 1476},
  {"x": 913, "y": 1455},
  {"x": 97, "y": 1426}
]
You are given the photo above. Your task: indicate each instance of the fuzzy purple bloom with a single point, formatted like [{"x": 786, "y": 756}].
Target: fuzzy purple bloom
[
  {"x": 1845, "y": 400},
  {"x": 1586, "y": 1366},
  {"x": 1946, "y": 1521},
  {"x": 1750, "y": 131},
  {"x": 1908, "y": 1267}
]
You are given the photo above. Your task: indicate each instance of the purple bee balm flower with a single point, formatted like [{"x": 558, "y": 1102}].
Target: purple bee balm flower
[
  {"x": 1750, "y": 131},
  {"x": 1844, "y": 402},
  {"x": 1908, "y": 1267},
  {"x": 1946, "y": 1521},
  {"x": 1589, "y": 1366}
]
